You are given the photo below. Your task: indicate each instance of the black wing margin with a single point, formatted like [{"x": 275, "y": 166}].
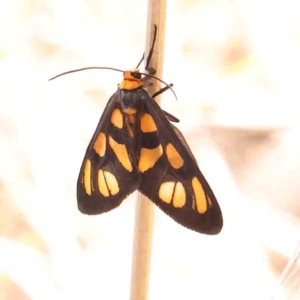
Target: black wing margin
[
  {"x": 174, "y": 182},
  {"x": 108, "y": 173}
]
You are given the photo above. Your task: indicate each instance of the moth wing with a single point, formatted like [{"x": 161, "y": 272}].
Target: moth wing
[
  {"x": 108, "y": 173},
  {"x": 173, "y": 181}
]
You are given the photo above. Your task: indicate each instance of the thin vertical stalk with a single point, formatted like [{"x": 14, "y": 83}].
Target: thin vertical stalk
[{"x": 142, "y": 245}]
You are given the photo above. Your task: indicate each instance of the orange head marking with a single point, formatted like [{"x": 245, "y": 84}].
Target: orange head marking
[{"x": 131, "y": 80}]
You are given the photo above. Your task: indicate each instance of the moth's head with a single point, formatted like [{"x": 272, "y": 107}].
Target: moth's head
[
  {"x": 133, "y": 75},
  {"x": 131, "y": 80}
]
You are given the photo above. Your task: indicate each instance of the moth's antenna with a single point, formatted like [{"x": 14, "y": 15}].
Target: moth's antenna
[
  {"x": 83, "y": 69},
  {"x": 160, "y": 80},
  {"x": 162, "y": 90},
  {"x": 113, "y": 69},
  {"x": 150, "y": 52},
  {"x": 152, "y": 48}
]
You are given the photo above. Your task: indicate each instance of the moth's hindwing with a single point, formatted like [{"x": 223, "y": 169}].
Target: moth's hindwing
[
  {"x": 170, "y": 176},
  {"x": 108, "y": 173}
]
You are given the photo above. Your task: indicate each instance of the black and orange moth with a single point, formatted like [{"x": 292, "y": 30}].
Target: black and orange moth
[{"x": 136, "y": 147}]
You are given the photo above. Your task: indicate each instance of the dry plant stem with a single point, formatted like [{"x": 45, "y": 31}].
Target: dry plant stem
[{"x": 144, "y": 208}]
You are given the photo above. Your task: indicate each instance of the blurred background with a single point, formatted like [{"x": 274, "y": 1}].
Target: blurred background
[{"x": 235, "y": 65}]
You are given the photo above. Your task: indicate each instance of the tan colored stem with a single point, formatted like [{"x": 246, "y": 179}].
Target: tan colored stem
[{"x": 142, "y": 244}]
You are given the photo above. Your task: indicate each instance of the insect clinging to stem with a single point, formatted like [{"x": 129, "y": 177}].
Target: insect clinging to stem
[{"x": 136, "y": 147}]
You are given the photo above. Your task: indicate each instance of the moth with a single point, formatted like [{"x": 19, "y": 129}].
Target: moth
[{"x": 136, "y": 147}]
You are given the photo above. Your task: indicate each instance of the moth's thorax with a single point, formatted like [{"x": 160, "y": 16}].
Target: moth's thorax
[{"x": 134, "y": 100}]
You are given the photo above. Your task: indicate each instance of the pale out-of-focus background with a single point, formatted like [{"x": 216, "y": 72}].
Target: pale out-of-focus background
[{"x": 235, "y": 66}]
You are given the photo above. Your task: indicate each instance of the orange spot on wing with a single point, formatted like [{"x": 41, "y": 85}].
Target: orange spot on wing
[
  {"x": 179, "y": 196},
  {"x": 121, "y": 153},
  {"x": 174, "y": 157},
  {"x": 87, "y": 177},
  {"x": 102, "y": 184},
  {"x": 100, "y": 144},
  {"x": 148, "y": 124},
  {"x": 165, "y": 192},
  {"x": 170, "y": 191},
  {"x": 112, "y": 183},
  {"x": 117, "y": 119},
  {"x": 200, "y": 197},
  {"x": 149, "y": 157},
  {"x": 107, "y": 183}
]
